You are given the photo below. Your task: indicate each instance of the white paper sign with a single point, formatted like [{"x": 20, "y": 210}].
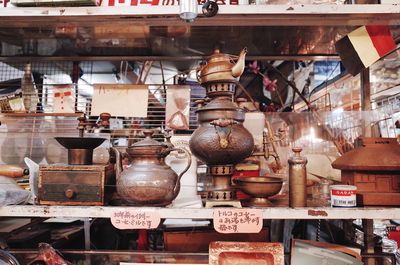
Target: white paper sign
[
  {"x": 131, "y": 219},
  {"x": 64, "y": 98},
  {"x": 178, "y": 107},
  {"x": 233, "y": 220},
  {"x": 120, "y": 100}
]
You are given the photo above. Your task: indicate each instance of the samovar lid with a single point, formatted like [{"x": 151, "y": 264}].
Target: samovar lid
[{"x": 378, "y": 154}]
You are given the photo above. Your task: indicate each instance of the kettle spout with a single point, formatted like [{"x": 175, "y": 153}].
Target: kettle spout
[
  {"x": 238, "y": 68},
  {"x": 118, "y": 162}
]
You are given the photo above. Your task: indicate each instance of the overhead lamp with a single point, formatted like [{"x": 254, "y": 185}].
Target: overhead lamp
[{"x": 188, "y": 10}]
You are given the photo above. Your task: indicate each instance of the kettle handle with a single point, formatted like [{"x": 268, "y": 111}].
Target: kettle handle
[
  {"x": 118, "y": 162},
  {"x": 189, "y": 163},
  {"x": 198, "y": 72}
]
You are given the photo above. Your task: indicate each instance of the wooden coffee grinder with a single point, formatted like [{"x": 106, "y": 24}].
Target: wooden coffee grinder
[
  {"x": 374, "y": 168},
  {"x": 79, "y": 182}
]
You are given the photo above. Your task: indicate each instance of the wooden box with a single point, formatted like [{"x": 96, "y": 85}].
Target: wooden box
[
  {"x": 72, "y": 184},
  {"x": 374, "y": 168},
  {"x": 199, "y": 240},
  {"x": 375, "y": 188}
]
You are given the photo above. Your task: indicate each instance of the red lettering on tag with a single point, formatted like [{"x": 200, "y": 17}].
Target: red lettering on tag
[{"x": 343, "y": 192}]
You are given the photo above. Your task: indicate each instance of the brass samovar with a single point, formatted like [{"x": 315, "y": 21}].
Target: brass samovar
[{"x": 221, "y": 141}]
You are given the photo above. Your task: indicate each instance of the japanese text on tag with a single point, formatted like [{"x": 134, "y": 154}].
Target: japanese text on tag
[
  {"x": 135, "y": 219},
  {"x": 234, "y": 220}
]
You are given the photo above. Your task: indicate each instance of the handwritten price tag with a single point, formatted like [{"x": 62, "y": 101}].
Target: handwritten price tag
[
  {"x": 129, "y": 219},
  {"x": 233, "y": 220}
]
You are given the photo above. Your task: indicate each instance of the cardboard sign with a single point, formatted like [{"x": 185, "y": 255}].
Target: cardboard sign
[
  {"x": 120, "y": 100},
  {"x": 233, "y": 220},
  {"x": 130, "y": 219}
]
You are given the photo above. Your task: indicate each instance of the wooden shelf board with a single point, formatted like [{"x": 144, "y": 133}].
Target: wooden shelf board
[
  {"x": 202, "y": 213},
  {"x": 256, "y": 15}
]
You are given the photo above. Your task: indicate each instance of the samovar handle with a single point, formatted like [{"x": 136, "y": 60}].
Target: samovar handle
[
  {"x": 223, "y": 137},
  {"x": 189, "y": 163}
]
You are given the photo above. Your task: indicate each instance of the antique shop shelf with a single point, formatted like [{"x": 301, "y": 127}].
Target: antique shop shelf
[
  {"x": 250, "y": 15},
  {"x": 196, "y": 213}
]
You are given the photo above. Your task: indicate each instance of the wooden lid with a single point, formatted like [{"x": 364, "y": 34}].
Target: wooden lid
[{"x": 372, "y": 154}]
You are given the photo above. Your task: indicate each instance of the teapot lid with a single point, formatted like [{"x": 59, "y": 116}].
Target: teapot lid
[
  {"x": 148, "y": 141},
  {"x": 218, "y": 56}
]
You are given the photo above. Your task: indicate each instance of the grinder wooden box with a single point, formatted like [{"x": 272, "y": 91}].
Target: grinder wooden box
[
  {"x": 374, "y": 168},
  {"x": 72, "y": 184}
]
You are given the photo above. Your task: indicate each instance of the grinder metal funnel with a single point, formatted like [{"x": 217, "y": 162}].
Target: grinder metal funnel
[{"x": 80, "y": 149}]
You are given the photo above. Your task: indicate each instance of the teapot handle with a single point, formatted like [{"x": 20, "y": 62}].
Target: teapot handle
[
  {"x": 118, "y": 162},
  {"x": 198, "y": 70},
  {"x": 189, "y": 162}
]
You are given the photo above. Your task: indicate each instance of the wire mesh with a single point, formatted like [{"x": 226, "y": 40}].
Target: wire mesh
[{"x": 40, "y": 81}]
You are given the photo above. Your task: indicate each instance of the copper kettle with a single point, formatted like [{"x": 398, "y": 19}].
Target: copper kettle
[
  {"x": 221, "y": 67},
  {"x": 148, "y": 180}
]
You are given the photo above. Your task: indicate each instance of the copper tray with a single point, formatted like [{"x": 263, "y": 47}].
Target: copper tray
[{"x": 237, "y": 253}]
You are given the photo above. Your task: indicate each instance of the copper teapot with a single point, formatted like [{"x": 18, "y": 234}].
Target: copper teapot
[
  {"x": 221, "y": 67},
  {"x": 148, "y": 180}
]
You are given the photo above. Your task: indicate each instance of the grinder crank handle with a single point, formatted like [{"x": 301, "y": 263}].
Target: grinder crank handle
[{"x": 13, "y": 171}]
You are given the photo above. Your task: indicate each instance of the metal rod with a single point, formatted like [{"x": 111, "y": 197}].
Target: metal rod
[
  {"x": 288, "y": 57},
  {"x": 86, "y": 229},
  {"x": 365, "y": 99},
  {"x": 247, "y": 94},
  {"x": 163, "y": 78},
  {"x": 33, "y": 132}
]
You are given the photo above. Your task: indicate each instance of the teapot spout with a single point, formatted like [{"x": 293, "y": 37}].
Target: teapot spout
[{"x": 238, "y": 68}]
